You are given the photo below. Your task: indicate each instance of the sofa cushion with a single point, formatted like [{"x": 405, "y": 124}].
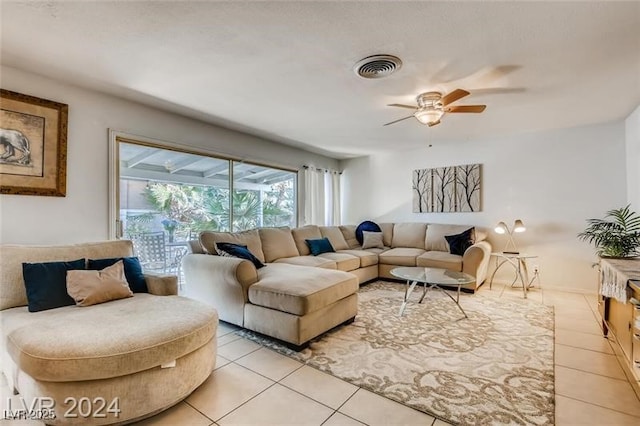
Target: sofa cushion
[
  {"x": 376, "y": 251},
  {"x": 319, "y": 246},
  {"x": 440, "y": 259},
  {"x": 387, "y": 233},
  {"x": 250, "y": 238},
  {"x": 367, "y": 225},
  {"x": 132, "y": 271},
  {"x": 334, "y": 235},
  {"x": 372, "y": 240},
  {"x": 12, "y": 256},
  {"x": 277, "y": 243},
  {"x": 46, "y": 284},
  {"x": 344, "y": 261},
  {"x": 366, "y": 257},
  {"x": 316, "y": 261},
  {"x": 400, "y": 256},
  {"x": 436, "y": 235},
  {"x": 349, "y": 234},
  {"x": 409, "y": 235},
  {"x": 300, "y": 290},
  {"x": 300, "y": 235},
  {"x": 107, "y": 340},
  {"x": 90, "y": 287},
  {"x": 239, "y": 251}
]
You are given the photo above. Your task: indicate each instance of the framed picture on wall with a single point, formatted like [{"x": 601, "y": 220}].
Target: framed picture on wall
[{"x": 33, "y": 145}]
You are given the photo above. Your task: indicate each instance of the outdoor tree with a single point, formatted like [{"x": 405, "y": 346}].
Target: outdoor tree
[{"x": 199, "y": 208}]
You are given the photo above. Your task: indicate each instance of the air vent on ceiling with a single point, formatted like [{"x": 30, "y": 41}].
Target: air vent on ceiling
[{"x": 377, "y": 66}]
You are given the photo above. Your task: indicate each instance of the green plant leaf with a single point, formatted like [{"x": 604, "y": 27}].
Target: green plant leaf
[{"x": 617, "y": 235}]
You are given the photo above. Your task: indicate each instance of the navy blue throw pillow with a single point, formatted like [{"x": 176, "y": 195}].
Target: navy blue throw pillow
[
  {"x": 367, "y": 225},
  {"x": 319, "y": 246},
  {"x": 132, "y": 271},
  {"x": 46, "y": 284},
  {"x": 238, "y": 250},
  {"x": 459, "y": 243}
]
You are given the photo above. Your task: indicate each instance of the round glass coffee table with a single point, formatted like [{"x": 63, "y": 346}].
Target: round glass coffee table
[{"x": 431, "y": 278}]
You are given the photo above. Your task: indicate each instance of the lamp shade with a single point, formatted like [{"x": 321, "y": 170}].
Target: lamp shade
[
  {"x": 501, "y": 228},
  {"x": 428, "y": 116},
  {"x": 518, "y": 226}
]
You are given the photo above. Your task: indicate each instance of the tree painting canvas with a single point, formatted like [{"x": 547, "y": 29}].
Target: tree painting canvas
[
  {"x": 447, "y": 189},
  {"x": 468, "y": 188},
  {"x": 443, "y": 186},
  {"x": 422, "y": 186}
]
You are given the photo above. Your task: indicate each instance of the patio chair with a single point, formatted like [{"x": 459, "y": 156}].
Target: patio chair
[
  {"x": 151, "y": 249},
  {"x": 156, "y": 255}
]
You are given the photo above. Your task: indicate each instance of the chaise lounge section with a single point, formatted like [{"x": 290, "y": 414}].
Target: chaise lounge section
[{"x": 295, "y": 298}]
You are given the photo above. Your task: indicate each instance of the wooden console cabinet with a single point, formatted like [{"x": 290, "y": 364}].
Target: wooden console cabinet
[{"x": 622, "y": 320}]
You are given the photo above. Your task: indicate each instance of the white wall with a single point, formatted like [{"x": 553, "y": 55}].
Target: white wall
[
  {"x": 83, "y": 214},
  {"x": 632, "y": 135},
  {"x": 553, "y": 181}
]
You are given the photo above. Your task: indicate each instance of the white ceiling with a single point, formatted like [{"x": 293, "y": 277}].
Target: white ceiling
[{"x": 283, "y": 70}]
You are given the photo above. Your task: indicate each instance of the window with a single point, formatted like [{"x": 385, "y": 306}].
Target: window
[
  {"x": 262, "y": 196},
  {"x": 167, "y": 196},
  {"x": 173, "y": 192}
]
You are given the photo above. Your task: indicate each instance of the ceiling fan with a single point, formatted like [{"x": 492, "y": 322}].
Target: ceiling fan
[{"x": 432, "y": 106}]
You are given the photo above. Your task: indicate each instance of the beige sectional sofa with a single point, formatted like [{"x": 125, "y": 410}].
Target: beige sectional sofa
[
  {"x": 145, "y": 352},
  {"x": 298, "y": 296}
]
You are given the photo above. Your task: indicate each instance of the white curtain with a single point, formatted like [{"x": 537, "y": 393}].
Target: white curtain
[
  {"x": 332, "y": 199},
  {"x": 321, "y": 197}
]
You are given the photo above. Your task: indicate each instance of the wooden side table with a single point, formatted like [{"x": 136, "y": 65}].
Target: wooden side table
[
  {"x": 519, "y": 263},
  {"x": 622, "y": 317}
]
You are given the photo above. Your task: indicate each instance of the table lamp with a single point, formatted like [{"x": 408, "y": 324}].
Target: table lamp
[{"x": 502, "y": 228}]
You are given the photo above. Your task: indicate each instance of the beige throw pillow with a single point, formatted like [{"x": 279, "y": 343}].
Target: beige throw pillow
[
  {"x": 409, "y": 235},
  {"x": 93, "y": 287},
  {"x": 277, "y": 243},
  {"x": 335, "y": 237},
  {"x": 249, "y": 238},
  {"x": 372, "y": 240}
]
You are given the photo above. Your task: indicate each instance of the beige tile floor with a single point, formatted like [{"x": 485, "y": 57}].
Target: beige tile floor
[{"x": 253, "y": 385}]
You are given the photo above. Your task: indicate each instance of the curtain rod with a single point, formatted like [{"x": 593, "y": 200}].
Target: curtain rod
[{"x": 322, "y": 169}]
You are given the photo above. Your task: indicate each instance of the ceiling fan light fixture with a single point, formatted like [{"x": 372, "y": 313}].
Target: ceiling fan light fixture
[{"x": 428, "y": 116}]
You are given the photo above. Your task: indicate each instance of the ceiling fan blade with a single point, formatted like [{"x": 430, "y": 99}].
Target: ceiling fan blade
[
  {"x": 466, "y": 108},
  {"x": 454, "y": 96},
  {"x": 393, "y": 122},
  {"x": 403, "y": 106},
  {"x": 433, "y": 124}
]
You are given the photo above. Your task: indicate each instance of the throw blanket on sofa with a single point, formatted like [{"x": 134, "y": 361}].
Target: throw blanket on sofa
[{"x": 614, "y": 276}]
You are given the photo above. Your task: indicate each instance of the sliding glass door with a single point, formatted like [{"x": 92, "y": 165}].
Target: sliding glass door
[
  {"x": 180, "y": 193},
  {"x": 169, "y": 191},
  {"x": 262, "y": 196},
  {"x": 164, "y": 196}
]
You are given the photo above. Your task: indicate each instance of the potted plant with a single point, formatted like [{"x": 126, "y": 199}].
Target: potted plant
[
  {"x": 617, "y": 235},
  {"x": 170, "y": 226}
]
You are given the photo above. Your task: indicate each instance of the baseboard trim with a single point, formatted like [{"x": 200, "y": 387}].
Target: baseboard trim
[{"x": 498, "y": 283}]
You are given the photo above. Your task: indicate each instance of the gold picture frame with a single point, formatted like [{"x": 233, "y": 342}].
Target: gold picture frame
[{"x": 33, "y": 145}]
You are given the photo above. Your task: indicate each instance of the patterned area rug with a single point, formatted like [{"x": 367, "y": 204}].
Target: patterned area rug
[{"x": 496, "y": 367}]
